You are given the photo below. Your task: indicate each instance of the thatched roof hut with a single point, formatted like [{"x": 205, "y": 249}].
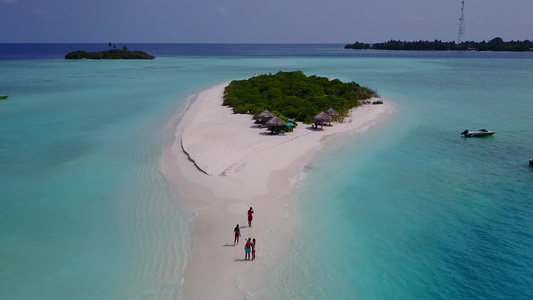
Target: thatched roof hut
[
  {"x": 275, "y": 121},
  {"x": 322, "y": 118},
  {"x": 333, "y": 113},
  {"x": 274, "y": 124},
  {"x": 266, "y": 114}
]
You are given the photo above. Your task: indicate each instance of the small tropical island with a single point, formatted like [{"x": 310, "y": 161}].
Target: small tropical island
[
  {"x": 496, "y": 44},
  {"x": 294, "y": 96},
  {"x": 112, "y": 53}
]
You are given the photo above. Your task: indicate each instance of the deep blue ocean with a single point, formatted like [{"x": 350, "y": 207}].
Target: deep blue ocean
[{"x": 406, "y": 210}]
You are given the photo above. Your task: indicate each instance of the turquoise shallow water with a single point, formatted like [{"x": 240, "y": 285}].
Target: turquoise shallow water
[
  {"x": 413, "y": 211},
  {"x": 407, "y": 210}
]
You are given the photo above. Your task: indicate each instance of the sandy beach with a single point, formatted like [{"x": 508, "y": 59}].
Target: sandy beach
[{"x": 224, "y": 164}]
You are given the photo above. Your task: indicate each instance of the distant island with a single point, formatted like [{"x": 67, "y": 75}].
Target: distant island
[
  {"x": 294, "y": 96},
  {"x": 496, "y": 44},
  {"x": 109, "y": 54}
]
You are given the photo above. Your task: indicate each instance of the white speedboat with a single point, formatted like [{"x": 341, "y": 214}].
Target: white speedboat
[{"x": 477, "y": 133}]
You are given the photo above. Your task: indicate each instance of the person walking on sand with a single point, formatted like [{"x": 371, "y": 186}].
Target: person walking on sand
[
  {"x": 247, "y": 249},
  {"x": 253, "y": 249},
  {"x": 237, "y": 232},
  {"x": 250, "y": 216}
]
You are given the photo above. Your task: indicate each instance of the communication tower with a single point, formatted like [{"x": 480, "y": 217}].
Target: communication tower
[{"x": 461, "y": 24}]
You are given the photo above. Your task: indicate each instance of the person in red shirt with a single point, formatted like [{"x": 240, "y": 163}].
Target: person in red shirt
[{"x": 250, "y": 216}]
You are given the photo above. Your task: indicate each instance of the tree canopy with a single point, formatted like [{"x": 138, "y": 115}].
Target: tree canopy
[
  {"x": 293, "y": 95},
  {"x": 109, "y": 54},
  {"x": 496, "y": 44}
]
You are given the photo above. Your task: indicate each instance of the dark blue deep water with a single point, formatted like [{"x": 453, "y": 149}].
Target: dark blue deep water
[{"x": 58, "y": 51}]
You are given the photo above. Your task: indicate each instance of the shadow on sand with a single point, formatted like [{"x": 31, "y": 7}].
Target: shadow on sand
[
  {"x": 268, "y": 133},
  {"x": 314, "y": 128}
]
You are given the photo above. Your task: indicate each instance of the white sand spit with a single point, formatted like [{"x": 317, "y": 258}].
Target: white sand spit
[{"x": 223, "y": 164}]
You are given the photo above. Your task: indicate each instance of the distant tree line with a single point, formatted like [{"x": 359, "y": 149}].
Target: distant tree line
[
  {"x": 293, "y": 95},
  {"x": 109, "y": 54},
  {"x": 496, "y": 44}
]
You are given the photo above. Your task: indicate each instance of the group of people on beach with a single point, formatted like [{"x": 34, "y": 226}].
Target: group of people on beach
[{"x": 249, "y": 247}]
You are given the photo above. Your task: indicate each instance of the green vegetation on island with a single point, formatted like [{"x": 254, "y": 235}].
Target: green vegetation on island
[
  {"x": 293, "y": 95},
  {"x": 496, "y": 44},
  {"x": 109, "y": 54}
]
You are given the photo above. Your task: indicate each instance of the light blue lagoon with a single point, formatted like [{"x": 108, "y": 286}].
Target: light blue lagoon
[{"x": 406, "y": 210}]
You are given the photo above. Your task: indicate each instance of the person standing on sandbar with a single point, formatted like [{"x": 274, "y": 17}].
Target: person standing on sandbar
[
  {"x": 247, "y": 249},
  {"x": 237, "y": 232},
  {"x": 253, "y": 249},
  {"x": 250, "y": 216}
]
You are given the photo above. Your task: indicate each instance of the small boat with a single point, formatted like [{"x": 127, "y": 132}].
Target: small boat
[
  {"x": 3, "y": 97},
  {"x": 477, "y": 133}
]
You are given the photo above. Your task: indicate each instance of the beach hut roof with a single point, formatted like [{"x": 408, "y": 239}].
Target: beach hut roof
[
  {"x": 265, "y": 115},
  {"x": 322, "y": 117},
  {"x": 275, "y": 121},
  {"x": 333, "y": 112}
]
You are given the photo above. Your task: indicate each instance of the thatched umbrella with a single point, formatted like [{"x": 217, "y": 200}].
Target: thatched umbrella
[
  {"x": 261, "y": 118},
  {"x": 322, "y": 118},
  {"x": 333, "y": 113},
  {"x": 275, "y": 122},
  {"x": 266, "y": 114}
]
